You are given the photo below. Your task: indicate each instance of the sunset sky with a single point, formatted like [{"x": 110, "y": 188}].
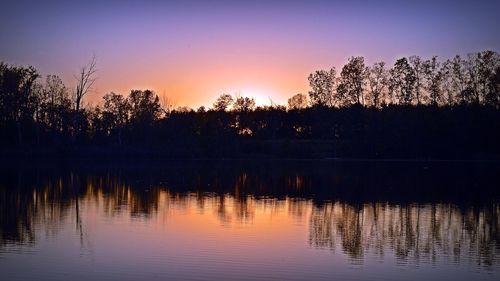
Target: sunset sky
[{"x": 193, "y": 51}]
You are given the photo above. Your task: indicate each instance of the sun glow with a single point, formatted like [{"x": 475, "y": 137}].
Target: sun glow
[{"x": 261, "y": 97}]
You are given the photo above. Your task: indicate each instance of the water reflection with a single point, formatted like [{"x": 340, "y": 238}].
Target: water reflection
[
  {"x": 412, "y": 232},
  {"x": 425, "y": 230}
]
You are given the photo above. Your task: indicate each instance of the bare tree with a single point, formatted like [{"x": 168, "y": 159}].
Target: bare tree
[
  {"x": 167, "y": 104},
  {"x": 85, "y": 80}
]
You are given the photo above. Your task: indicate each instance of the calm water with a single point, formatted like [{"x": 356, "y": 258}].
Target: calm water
[{"x": 247, "y": 220}]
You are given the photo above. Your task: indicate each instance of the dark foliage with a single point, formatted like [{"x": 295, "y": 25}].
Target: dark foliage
[{"x": 418, "y": 109}]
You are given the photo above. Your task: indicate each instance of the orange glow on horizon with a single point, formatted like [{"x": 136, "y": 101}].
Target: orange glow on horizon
[{"x": 195, "y": 83}]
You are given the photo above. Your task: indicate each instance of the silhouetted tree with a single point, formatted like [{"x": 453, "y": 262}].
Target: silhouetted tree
[
  {"x": 223, "y": 102},
  {"x": 55, "y": 103},
  {"x": 298, "y": 101},
  {"x": 350, "y": 88},
  {"x": 17, "y": 98},
  {"x": 493, "y": 98},
  {"x": 475, "y": 81},
  {"x": 116, "y": 112},
  {"x": 167, "y": 105},
  {"x": 377, "y": 77},
  {"x": 433, "y": 77},
  {"x": 402, "y": 81},
  {"x": 456, "y": 82},
  {"x": 487, "y": 63},
  {"x": 201, "y": 109},
  {"x": 84, "y": 81},
  {"x": 144, "y": 107},
  {"x": 244, "y": 104},
  {"x": 322, "y": 83},
  {"x": 419, "y": 68},
  {"x": 145, "y": 110}
]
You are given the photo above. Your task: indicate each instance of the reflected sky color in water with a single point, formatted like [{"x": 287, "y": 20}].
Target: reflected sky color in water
[{"x": 112, "y": 227}]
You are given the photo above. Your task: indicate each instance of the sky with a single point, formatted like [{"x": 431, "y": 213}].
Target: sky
[{"x": 193, "y": 51}]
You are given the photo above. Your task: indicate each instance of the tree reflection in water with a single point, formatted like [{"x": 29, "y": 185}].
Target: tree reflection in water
[
  {"x": 415, "y": 231},
  {"x": 421, "y": 227}
]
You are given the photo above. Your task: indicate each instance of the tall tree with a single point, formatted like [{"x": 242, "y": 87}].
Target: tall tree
[
  {"x": 350, "y": 88},
  {"x": 455, "y": 80},
  {"x": 418, "y": 66},
  {"x": 377, "y": 76},
  {"x": 17, "y": 99},
  {"x": 84, "y": 81},
  {"x": 144, "y": 107},
  {"x": 402, "y": 81},
  {"x": 116, "y": 113},
  {"x": 322, "y": 83},
  {"x": 493, "y": 97},
  {"x": 487, "y": 63},
  {"x": 433, "y": 77},
  {"x": 55, "y": 102},
  {"x": 473, "y": 85}
]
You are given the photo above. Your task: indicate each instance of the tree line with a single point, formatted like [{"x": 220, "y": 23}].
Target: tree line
[
  {"x": 474, "y": 79},
  {"x": 416, "y": 108}
]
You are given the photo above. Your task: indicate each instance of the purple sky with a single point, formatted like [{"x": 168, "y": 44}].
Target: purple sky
[{"x": 193, "y": 51}]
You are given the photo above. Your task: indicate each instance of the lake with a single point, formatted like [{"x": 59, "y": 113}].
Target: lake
[{"x": 250, "y": 220}]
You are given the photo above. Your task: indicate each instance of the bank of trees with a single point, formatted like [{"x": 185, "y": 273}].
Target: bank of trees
[
  {"x": 416, "y": 107},
  {"x": 410, "y": 81}
]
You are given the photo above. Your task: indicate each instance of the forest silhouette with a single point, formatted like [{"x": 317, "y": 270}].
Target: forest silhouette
[{"x": 415, "y": 109}]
